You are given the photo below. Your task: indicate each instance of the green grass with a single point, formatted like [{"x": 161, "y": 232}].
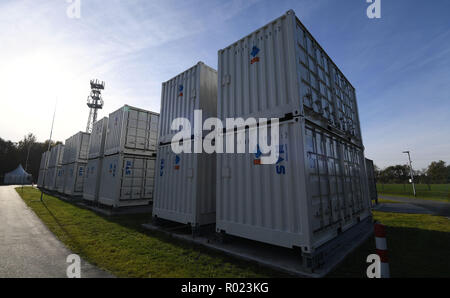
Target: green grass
[
  {"x": 438, "y": 192},
  {"x": 380, "y": 201},
  {"x": 122, "y": 247},
  {"x": 418, "y": 245}
]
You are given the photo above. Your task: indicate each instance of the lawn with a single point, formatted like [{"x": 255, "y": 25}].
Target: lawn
[
  {"x": 121, "y": 246},
  {"x": 418, "y": 245},
  {"x": 438, "y": 192}
]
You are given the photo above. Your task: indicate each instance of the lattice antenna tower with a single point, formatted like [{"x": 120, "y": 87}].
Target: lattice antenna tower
[{"x": 94, "y": 102}]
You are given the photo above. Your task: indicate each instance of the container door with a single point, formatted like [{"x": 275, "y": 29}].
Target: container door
[
  {"x": 353, "y": 175},
  {"x": 152, "y": 137},
  {"x": 137, "y": 133},
  {"x": 149, "y": 182},
  {"x": 132, "y": 178},
  {"x": 114, "y": 134},
  {"x": 319, "y": 180},
  {"x": 79, "y": 178}
]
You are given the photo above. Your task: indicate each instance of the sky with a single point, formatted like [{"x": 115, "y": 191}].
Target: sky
[{"x": 399, "y": 64}]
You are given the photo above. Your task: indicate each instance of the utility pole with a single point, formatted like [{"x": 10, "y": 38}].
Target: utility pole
[
  {"x": 411, "y": 172},
  {"x": 48, "y": 149}
]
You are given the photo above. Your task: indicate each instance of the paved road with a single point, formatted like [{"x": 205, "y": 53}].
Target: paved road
[
  {"x": 27, "y": 247},
  {"x": 436, "y": 207}
]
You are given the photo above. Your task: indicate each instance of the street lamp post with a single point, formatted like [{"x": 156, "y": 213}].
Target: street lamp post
[{"x": 411, "y": 172}]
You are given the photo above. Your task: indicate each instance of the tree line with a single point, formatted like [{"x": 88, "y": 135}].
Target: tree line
[
  {"x": 436, "y": 173},
  {"x": 13, "y": 154},
  {"x": 27, "y": 152}
]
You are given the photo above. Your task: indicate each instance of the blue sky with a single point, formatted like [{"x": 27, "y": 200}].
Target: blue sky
[{"x": 399, "y": 64}]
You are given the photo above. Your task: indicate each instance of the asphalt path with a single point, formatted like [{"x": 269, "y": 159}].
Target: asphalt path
[
  {"x": 28, "y": 248},
  {"x": 435, "y": 207}
]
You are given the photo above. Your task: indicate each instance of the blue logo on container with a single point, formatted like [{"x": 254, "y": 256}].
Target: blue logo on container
[
  {"x": 177, "y": 159},
  {"x": 258, "y": 152},
  {"x": 254, "y": 54},
  {"x": 280, "y": 168},
  {"x": 161, "y": 168},
  {"x": 255, "y": 51},
  {"x": 127, "y": 168}
]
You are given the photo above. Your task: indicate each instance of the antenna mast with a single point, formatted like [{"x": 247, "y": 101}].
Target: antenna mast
[{"x": 94, "y": 102}]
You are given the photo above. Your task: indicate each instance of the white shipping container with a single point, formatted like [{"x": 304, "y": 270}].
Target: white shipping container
[
  {"x": 50, "y": 178},
  {"x": 74, "y": 178},
  {"x": 194, "y": 89},
  {"x": 279, "y": 71},
  {"x": 40, "y": 181},
  {"x": 127, "y": 180},
  {"x": 92, "y": 178},
  {"x": 317, "y": 189},
  {"x": 97, "y": 140},
  {"x": 185, "y": 187},
  {"x": 44, "y": 160},
  {"x": 132, "y": 131},
  {"x": 56, "y": 155},
  {"x": 76, "y": 148},
  {"x": 60, "y": 179},
  {"x": 43, "y": 168}
]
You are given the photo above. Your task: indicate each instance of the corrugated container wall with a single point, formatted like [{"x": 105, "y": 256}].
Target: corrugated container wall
[
  {"x": 317, "y": 189},
  {"x": 56, "y": 155},
  {"x": 50, "y": 178},
  {"x": 44, "y": 160},
  {"x": 74, "y": 178},
  {"x": 132, "y": 131},
  {"x": 194, "y": 89},
  {"x": 185, "y": 187},
  {"x": 281, "y": 71},
  {"x": 43, "y": 168},
  {"x": 54, "y": 160},
  {"x": 60, "y": 179},
  {"x": 127, "y": 180},
  {"x": 97, "y": 140},
  {"x": 76, "y": 148},
  {"x": 92, "y": 178},
  {"x": 370, "y": 169}
]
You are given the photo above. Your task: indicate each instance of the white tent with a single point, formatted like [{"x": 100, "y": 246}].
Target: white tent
[{"x": 18, "y": 176}]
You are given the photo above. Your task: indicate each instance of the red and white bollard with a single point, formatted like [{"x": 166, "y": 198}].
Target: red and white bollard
[{"x": 381, "y": 249}]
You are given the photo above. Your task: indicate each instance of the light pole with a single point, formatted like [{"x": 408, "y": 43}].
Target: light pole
[{"x": 411, "y": 172}]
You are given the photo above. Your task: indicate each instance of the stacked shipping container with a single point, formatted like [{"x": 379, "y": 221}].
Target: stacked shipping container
[
  {"x": 95, "y": 160},
  {"x": 185, "y": 183},
  {"x": 74, "y": 164},
  {"x": 127, "y": 175},
  {"x": 318, "y": 187},
  {"x": 54, "y": 165},
  {"x": 43, "y": 168}
]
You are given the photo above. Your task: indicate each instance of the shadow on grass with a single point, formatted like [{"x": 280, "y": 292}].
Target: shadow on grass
[
  {"x": 134, "y": 222},
  {"x": 78, "y": 247},
  {"x": 413, "y": 252}
]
